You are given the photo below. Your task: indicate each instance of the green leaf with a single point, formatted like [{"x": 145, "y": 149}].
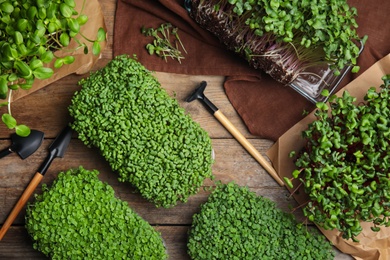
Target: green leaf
[
  {"x": 82, "y": 19},
  {"x": 21, "y": 24},
  {"x": 35, "y": 63},
  {"x": 66, "y": 10},
  {"x": 22, "y": 130},
  {"x": 8, "y": 120},
  {"x": 288, "y": 182},
  {"x": 74, "y": 26},
  {"x": 101, "y": 36},
  {"x": 59, "y": 63},
  {"x": 43, "y": 73},
  {"x": 23, "y": 69},
  {"x": 47, "y": 57},
  {"x": 96, "y": 48},
  {"x": 71, "y": 3},
  {"x": 3, "y": 88},
  {"x": 64, "y": 39},
  {"x": 69, "y": 59},
  {"x": 6, "y": 7}
]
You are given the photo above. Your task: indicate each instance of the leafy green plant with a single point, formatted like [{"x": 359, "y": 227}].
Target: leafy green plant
[
  {"x": 283, "y": 37},
  {"x": 142, "y": 132},
  {"x": 345, "y": 164},
  {"x": 166, "y": 42},
  {"x": 235, "y": 223},
  {"x": 31, "y": 31},
  {"x": 79, "y": 217}
]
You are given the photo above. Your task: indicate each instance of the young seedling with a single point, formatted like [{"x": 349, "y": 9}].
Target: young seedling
[
  {"x": 284, "y": 38},
  {"x": 166, "y": 42},
  {"x": 31, "y": 33},
  {"x": 344, "y": 165}
]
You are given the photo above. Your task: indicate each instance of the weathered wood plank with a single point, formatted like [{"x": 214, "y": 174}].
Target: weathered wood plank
[
  {"x": 18, "y": 245},
  {"x": 46, "y": 110}
]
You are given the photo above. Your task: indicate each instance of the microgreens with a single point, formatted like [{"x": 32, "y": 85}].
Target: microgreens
[
  {"x": 235, "y": 223},
  {"x": 79, "y": 217},
  {"x": 142, "y": 132},
  {"x": 31, "y": 31},
  {"x": 166, "y": 42},
  {"x": 344, "y": 166},
  {"x": 284, "y": 37}
]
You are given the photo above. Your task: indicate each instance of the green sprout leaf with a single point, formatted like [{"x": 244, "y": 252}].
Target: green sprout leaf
[
  {"x": 43, "y": 73},
  {"x": 96, "y": 48},
  {"x": 31, "y": 32},
  {"x": 101, "y": 36},
  {"x": 3, "y": 88},
  {"x": 9, "y": 121},
  {"x": 22, "y": 130},
  {"x": 345, "y": 160}
]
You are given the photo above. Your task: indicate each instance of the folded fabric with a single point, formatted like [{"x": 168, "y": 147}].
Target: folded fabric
[{"x": 267, "y": 107}]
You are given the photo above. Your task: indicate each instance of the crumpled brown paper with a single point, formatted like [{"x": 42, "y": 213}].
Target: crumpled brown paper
[
  {"x": 372, "y": 245},
  {"x": 83, "y": 62}
]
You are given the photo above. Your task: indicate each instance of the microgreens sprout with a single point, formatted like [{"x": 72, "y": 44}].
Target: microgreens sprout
[
  {"x": 344, "y": 166},
  {"x": 284, "y": 37},
  {"x": 142, "y": 132},
  {"x": 79, "y": 217},
  {"x": 235, "y": 223},
  {"x": 31, "y": 31},
  {"x": 166, "y": 42}
]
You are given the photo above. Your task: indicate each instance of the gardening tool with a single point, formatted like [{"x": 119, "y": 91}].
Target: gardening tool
[
  {"x": 56, "y": 149},
  {"x": 199, "y": 94},
  {"x": 24, "y": 146}
]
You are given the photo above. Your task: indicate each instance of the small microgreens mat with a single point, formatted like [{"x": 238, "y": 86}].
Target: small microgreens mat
[
  {"x": 235, "y": 223},
  {"x": 79, "y": 217},
  {"x": 142, "y": 132}
]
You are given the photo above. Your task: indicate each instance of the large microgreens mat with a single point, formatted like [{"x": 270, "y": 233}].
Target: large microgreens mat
[
  {"x": 142, "y": 132},
  {"x": 235, "y": 223},
  {"x": 79, "y": 217}
]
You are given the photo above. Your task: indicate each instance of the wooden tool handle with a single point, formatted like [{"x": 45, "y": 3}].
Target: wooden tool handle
[
  {"x": 20, "y": 204},
  {"x": 248, "y": 146}
]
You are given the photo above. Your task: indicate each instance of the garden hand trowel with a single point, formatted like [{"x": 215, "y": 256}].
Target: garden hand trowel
[
  {"x": 24, "y": 146},
  {"x": 56, "y": 149}
]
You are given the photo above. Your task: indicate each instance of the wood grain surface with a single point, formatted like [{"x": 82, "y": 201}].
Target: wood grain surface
[{"x": 46, "y": 110}]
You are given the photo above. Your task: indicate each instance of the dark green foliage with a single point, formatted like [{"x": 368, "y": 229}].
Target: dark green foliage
[
  {"x": 142, "y": 132},
  {"x": 79, "y": 217},
  {"x": 235, "y": 223},
  {"x": 345, "y": 166}
]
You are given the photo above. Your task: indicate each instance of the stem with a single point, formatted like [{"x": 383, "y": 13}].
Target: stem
[
  {"x": 9, "y": 102},
  {"x": 300, "y": 206},
  {"x": 295, "y": 190}
]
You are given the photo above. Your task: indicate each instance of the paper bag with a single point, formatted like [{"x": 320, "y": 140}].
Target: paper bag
[
  {"x": 83, "y": 62},
  {"x": 372, "y": 245}
]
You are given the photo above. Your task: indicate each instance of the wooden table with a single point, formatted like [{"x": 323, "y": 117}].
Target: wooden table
[{"x": 46, "y": 110}]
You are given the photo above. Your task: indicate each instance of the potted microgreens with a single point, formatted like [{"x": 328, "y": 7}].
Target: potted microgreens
[
  {"x": 344, "y": 166},
  {"x": 235, "y": 223},
  {"x": 31, "y": 33},
  {"x": 79, "y": 217},
  {"x": 284, "y": 38}
]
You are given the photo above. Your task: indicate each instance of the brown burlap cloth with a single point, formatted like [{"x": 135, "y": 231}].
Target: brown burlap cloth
[{"x": 267, "y": 108}]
